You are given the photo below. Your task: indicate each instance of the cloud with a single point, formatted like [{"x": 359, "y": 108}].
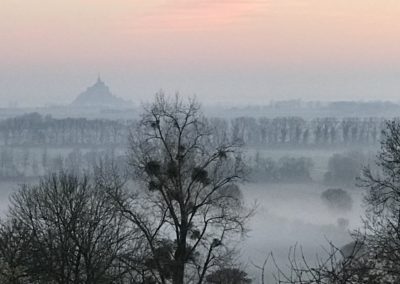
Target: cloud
[{"x": 180, "y": 15}]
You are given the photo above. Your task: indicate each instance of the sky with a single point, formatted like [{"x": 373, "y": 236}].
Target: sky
[{"x": 223, "y": 51}]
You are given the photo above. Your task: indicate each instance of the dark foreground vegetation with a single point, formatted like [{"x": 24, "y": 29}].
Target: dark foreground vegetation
[
  {"x": 174, "y": 223},
  {"x": 176, "y": 212}
]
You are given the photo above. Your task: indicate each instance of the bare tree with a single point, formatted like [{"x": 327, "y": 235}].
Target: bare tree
[
  {"x": 383, "y": 204},
  {"x": 76, "y": 235},
  {"x": 14, "y": 244},
  {"x": 188, "y": 206},
  {"x": 348, "y": 265}
]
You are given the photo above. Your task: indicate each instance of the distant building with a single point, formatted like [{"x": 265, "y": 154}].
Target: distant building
[{"x": 99, "y": 96}]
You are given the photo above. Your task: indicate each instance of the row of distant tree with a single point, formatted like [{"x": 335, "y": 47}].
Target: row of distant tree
[
  {"x": 296, "y": 131},
  {"x": 342, "y": 169},
  {"x": 19, "y": 163},
  {"x": 35, "y": 129}
]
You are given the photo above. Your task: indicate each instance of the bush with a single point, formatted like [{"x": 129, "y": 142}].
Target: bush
[
  {"x": 337, "y": 198},
  {"x": 65, "y": 227},
  {"x": 343, "y": 169},
  {"x": 286, "y": 169},
  {"x": 228, "y": 276},
  {"x": 343, "y": 223}
]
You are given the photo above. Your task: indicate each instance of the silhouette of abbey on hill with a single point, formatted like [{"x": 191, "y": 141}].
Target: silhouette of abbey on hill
[{"x": 99, "y": 95}]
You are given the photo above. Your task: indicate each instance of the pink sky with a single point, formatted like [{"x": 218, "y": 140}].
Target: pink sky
[{"x": 193, "y": 36}]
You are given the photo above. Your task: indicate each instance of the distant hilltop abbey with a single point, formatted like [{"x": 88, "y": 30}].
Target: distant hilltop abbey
[{"x": 99, "y": 96}]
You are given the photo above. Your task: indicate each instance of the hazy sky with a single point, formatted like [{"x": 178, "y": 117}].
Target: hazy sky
[{"x": 222, "y": 50}]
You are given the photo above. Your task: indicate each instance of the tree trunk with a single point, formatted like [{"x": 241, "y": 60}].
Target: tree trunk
[
  {"x": 180, "y": 255},
  {"x": 179, "y": 265},
  {"x": 179, "y": 272}
]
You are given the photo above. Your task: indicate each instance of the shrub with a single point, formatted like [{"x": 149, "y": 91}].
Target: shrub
[{"x": 337, "y": 198}]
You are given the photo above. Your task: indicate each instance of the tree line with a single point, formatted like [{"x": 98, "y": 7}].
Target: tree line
[
  {"x": 19, "y": 163},
  {"x": 35, "y": 129},
  {"x": 295, "y": 131}
]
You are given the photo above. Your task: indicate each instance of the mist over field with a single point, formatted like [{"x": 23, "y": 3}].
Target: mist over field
[
  {"x": 292, "y": 161},
  {"x": 200, "y": 142}
]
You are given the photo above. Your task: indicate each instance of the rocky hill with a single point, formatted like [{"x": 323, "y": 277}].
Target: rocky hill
[{"x": 99, "y": 95}]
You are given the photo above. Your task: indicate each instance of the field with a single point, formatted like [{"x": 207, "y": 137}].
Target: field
[
  {"x": 286, "y": 213},
  {"x": 290, "y": 214}
]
